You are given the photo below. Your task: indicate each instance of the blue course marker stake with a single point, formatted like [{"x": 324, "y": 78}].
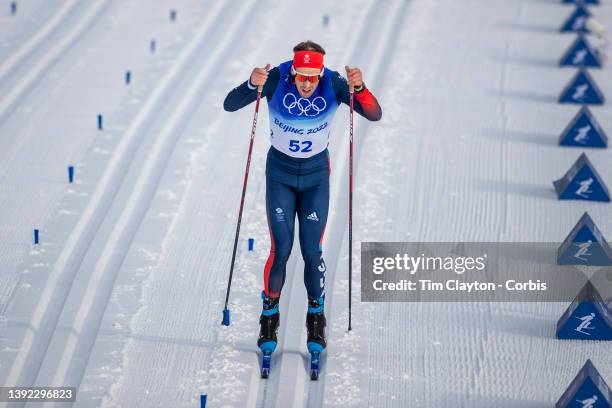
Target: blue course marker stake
[
  {"x": 99, "y": 121},
  {"x": 152, "y": 46},
  {"x": 251, "y": 243},
  {"x": 70, "y": 174},
  {"x": 226, "y": 317},
  {"x": 13, "y": 7},
  {"x": 36, "y": 237},
  {"x": 203, "y": 401},
  {"x": 128, "y": 77},
  {"x": 325, "y": 20},
  {"x": 172, "y": 15}
]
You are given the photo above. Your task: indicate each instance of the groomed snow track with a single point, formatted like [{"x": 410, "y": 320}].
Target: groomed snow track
[{"x": 123, "y": 298}]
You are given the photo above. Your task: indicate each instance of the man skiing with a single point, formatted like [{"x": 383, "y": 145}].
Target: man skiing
[{"x": 303, "y": 96}]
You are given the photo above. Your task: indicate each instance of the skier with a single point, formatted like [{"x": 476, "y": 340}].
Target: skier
[
  {"x": 303, "y": 96},
  {"x": 589, "y": 402},
  {"x": 585, "y": 323}
]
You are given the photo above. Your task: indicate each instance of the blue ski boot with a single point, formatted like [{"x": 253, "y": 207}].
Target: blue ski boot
[
  {"x": 267, "y": 332},
  {"x": 316, "y": 343}
]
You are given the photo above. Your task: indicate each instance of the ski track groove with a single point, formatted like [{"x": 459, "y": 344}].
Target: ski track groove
[
  {"x": 46, "y": 316},
  {"x": 377, "y": 57},
  {"x": 90, "y": 314},
  {"x": 249, "y": 206},
  {"x": 100, "y": 286},
  {"x": 34, "y": 42},
  {"x": 38, "y": 69},
  {"x": 44, "y": 190},
  {"x": 193, "y": 248},
  {"x": 14, "y": 32},
  {"x": 41, "y": 70}
]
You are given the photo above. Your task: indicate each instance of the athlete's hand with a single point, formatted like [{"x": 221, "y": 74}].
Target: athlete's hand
[
  {"x": 354, "y": 76},
  {"x": 259, "y": 76}
]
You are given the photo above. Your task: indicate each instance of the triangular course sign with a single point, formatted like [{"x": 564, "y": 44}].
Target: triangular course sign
[
  {"x": 580, "y": 54},
  {"x": 587, "y": 318},
  {"x": 582, "y": 89},
  {"x": 582, "y": 182},
  {"x": 585, "y": 245},
  {"x": 588, "y": 389},
  {"x": 580, "y": 2},
  {"x": 584, "y": 131},
  {"x": 576, "y": 22}
]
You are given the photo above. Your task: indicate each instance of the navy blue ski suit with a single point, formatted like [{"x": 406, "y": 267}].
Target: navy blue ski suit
[{"x": 298, "y": 167}]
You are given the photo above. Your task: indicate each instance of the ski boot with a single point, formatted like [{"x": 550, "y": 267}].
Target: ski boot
[
  {"x": 316, "y": 343},
  {"x": 267, "y": 332}
]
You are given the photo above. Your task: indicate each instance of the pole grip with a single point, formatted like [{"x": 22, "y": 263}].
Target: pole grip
[{"x": 351, "y": 86}]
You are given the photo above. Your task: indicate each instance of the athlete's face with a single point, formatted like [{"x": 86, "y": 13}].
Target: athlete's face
[{"x": 306, "y": 88}]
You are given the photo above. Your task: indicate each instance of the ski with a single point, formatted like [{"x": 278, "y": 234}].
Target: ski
[
  {"x": 314, "y": 365},
  {"x": 265, "y": 364}
]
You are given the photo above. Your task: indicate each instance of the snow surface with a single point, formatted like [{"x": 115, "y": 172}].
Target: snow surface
[{"x": 123, "y": 297}]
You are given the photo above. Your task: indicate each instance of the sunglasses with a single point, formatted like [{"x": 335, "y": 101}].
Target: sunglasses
[
  {"x": 303, "y": 78},
  {"x": 313, "y": 78}
]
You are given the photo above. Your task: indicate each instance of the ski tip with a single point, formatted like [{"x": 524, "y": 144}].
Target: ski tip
[
  {"x": 226, "y": 317},
  {"x": 265, "y": 373},
  {"x": 265, "y": 364},
  {"x": 314, "y": 365}
]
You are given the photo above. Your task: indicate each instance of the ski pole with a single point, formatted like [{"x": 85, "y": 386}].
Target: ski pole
[
  {"x": 226, "y": 312},
  {"x": 350, "y": 265}
]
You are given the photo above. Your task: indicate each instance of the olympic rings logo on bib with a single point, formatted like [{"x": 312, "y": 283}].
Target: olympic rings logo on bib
[{"x": 302, "y": 106}]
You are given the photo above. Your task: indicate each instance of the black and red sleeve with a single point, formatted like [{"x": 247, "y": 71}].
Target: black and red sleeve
[{"x": 365, "y": 102}]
